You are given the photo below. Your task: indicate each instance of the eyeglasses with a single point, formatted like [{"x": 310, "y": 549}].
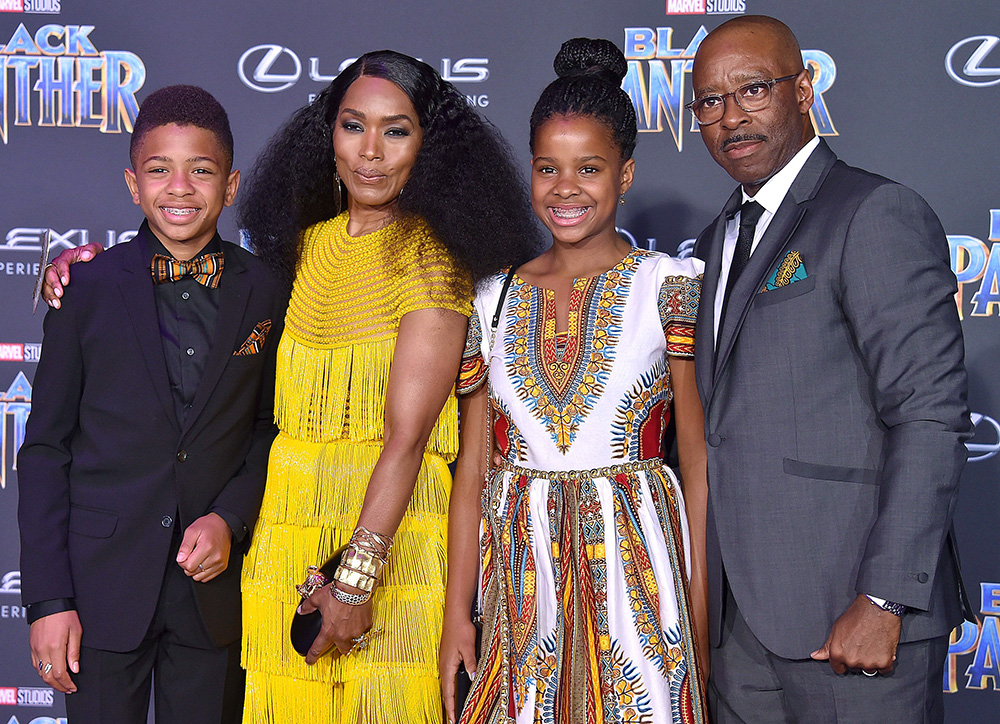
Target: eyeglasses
[{"x": 751, "y": 97}]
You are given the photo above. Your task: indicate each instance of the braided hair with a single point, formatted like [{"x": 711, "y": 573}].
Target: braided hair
[{"x": 589, "y": 84}]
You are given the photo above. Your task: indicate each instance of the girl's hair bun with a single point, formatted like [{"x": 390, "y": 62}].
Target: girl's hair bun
[{"x": 587, "y": 56}]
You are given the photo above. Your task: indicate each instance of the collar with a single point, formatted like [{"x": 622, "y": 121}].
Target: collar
[{"x": 772, "y": 193}]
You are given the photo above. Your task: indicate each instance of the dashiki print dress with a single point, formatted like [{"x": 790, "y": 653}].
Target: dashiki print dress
[{"x": 586, "y": 614}]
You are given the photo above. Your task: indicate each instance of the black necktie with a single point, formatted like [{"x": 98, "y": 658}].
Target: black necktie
[{"x": 750, "y": 214}]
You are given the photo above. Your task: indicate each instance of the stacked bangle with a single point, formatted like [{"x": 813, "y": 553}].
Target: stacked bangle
[
  {"x": 352, "y": 577},
  {"x": 361, "y": 565}
]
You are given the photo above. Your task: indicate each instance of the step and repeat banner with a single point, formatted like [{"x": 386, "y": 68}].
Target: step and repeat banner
[{"x": 907, "y": 90}]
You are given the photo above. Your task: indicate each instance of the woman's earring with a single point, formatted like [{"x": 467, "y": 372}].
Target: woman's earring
[
  {"x": 621, "y": 200},
  {"x": 338, "y": 195}
]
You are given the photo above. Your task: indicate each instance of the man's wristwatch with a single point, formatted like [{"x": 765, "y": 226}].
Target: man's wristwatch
[{"x": 896, "y": 609}]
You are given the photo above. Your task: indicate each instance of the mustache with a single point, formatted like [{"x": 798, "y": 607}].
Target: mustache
[{"x": 742, "y": 138}]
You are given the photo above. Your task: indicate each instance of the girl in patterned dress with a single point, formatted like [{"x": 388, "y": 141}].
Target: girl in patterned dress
[{"x": 593, "y": 578}]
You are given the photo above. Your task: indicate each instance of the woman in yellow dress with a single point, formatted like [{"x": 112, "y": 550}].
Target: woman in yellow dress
[{"x": 364, "y": 395}]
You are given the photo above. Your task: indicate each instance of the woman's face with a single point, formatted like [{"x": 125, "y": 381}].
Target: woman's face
[
  {"x": 577, "y": 177},
  {"x": 376, "y": 137}
]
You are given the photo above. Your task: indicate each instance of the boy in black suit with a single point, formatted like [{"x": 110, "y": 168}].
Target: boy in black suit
[{"x": 144, "y": 458}]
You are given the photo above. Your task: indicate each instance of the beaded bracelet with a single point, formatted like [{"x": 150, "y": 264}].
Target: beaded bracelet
[{"x": 351, "y": 599}]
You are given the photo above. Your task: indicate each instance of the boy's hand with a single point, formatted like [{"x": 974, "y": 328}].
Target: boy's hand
[
  {"x": 57, "y": 272},
  {"x": 204, "y": 551},
  {"x": 55, "y": 649}
]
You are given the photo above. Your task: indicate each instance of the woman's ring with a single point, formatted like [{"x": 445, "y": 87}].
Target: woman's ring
[
  {"x": 46, "y": 669},
  {"x": 361, "y": 642},
  {"x": 869, "y": 673}
]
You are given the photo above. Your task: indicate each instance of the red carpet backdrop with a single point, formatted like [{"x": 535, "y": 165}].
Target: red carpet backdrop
[{"x": 908, "y": 90}]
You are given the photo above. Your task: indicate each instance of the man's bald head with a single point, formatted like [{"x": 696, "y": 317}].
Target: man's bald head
[{"x": 770, "y": 32}]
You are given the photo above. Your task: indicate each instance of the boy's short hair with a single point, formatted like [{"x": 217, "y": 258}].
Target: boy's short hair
[{"x": 185, "y": 105}]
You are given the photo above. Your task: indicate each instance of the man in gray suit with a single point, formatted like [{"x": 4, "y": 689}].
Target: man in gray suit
[{"x": 829, "y": 358}]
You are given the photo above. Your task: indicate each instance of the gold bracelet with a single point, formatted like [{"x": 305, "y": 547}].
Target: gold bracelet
[
  {"x": 355, "y": 579},
  {"x": 363, "y": 562},
  {"x": 378, "y": 544}
]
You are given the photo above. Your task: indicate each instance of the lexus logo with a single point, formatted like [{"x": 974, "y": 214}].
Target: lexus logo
[
  {"x": 984, "y": 450},
  {"x": 11, "y": 582},
  {"x": 974, "y": 72},
  {"x": 270, "y": 68},
  {"x": 264, "y": 78}
]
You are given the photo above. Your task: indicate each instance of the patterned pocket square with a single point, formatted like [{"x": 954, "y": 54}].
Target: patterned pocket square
[
  {"x": 791, "y": 269},
  {"x": 255, "y": 342}
]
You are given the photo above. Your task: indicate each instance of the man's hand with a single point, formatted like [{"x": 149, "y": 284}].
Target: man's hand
[
  {"x": 864, "y": 638},
  {"x": 57, "y": 272},
  {"x": 55, "y": 649},
  {"x": 204, "y": 551}
]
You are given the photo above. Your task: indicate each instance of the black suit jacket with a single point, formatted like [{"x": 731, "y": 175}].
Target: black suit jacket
[
  {"x": 106, "y": 467},
  {"x": 835, "y": 413}
]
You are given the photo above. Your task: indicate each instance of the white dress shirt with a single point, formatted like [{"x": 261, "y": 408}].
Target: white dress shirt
[{"x": 770, "y": 196}]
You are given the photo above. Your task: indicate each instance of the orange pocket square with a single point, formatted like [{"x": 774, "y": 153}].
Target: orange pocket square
[{"x": 255, "y": 342}]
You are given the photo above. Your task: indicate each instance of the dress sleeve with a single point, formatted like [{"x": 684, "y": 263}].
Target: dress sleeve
[
  {"x": 472, "y": 373},
  {"x": 678, "y": 305},
  {"x": 431, "y": 279}
]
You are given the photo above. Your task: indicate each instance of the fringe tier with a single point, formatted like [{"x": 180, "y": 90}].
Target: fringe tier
[
  {"x": 387, "y": 699},
  {"x": 311, "y": 403},
  {"x": 314, "y": 496}
]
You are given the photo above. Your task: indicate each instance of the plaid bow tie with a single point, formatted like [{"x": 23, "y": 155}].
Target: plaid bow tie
[{"x": 206, "y": 269}]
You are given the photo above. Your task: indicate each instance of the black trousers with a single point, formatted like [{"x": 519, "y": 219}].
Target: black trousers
[
  {"x": 751, "y": 685},
  {"x": 193, "y": 682}
]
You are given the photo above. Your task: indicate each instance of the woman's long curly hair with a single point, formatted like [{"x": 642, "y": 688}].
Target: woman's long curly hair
[{"x": 464, "y": 183}]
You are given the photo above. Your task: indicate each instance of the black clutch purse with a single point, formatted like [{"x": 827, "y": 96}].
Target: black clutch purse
[
  {"x": 463, "y": 684},
  {"x": 306, "y": 626}
]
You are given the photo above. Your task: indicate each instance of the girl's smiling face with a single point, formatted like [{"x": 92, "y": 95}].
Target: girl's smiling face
[{"x": 577, "y": 178}]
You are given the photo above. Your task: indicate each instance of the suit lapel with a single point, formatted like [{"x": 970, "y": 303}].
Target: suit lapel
[
  {"x": 775, "y": 240},
  {"x": 234, "y": 288},
  {"x": 136, "y": 285},
  {"x": 704, "y": 354}
]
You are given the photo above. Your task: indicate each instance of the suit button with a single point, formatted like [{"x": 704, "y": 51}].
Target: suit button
[
  {"x": 182, "y": 456},
  {"x": 922, "y": 577},
  {"x": 166, "y": 521},
  {"x": 714, "y": 440}
]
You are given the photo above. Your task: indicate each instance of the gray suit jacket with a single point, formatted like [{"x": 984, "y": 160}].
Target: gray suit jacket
[{"x": 835, "y": 413}]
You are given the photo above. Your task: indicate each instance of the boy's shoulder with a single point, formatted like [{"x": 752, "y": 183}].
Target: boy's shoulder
[
  {"x": 98, "y": 269},
  {"x": 262, "y": 273}
]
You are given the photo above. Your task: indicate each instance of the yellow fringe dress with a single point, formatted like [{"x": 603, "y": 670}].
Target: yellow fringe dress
[{"x": 340, "y": 332}]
